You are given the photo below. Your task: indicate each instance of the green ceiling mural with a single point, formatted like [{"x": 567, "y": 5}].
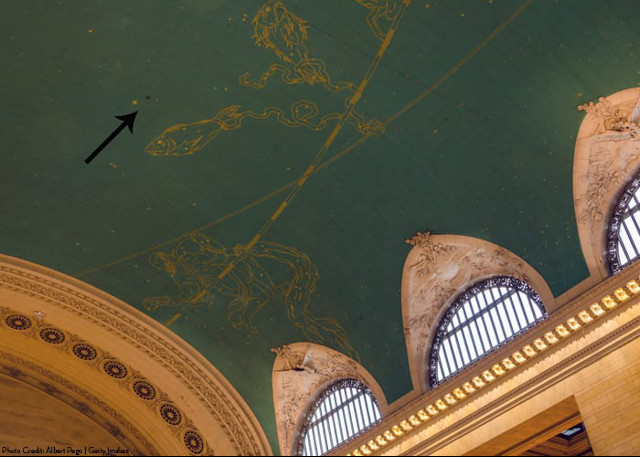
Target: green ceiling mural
[{"x": 284, "y": 149}]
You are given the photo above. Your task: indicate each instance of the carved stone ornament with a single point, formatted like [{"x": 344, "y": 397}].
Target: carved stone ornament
[
  {"x": 431, "y": 282},
  {"x": 301, "y": 372},
  {"x": 606, "y": 160},
  {"x": 141, "y": 382},
  {"x": 430, "y": 252}
]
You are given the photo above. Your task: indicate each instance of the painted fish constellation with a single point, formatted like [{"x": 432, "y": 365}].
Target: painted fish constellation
[{"x": 186, "y": 139}]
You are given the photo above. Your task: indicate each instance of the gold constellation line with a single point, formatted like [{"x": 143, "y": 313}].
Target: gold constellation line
[{"x": 316, "y": 160}]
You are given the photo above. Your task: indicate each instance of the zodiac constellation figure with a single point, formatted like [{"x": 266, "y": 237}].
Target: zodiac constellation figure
[
  {"x": 186, "y": 139},
  {"x": 385, "y": 10},
  {"x": 195, "y": 264},
  {"x": 284, "y": 33}
]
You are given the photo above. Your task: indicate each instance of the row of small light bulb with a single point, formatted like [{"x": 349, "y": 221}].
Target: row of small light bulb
[{"x": 529, "y": 351}]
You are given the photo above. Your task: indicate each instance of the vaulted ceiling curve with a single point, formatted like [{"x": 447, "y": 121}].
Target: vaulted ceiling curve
[{"x": 284, "y": 149}]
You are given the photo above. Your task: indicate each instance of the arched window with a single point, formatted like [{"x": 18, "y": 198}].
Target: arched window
[
  {"x": 484, "y": 317},
  {"x": 623, "y": 240},
  {"x": 342, "y": 411}
]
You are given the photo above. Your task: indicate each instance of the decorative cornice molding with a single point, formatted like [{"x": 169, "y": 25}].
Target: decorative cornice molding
[
  {"x": 565, "y": 327},
  {"x": 98, "y": 309},
  {"x": 92, "y": 357},
  {"x": 80, "y": 399}
]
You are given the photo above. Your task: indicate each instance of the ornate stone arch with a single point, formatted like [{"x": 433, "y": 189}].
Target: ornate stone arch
[
  {"x": 436, "y": 271},
  {"x": 606, "y": 159},
  {"x": 301, "y": 372},
  {"x": 125, "y": 372}
]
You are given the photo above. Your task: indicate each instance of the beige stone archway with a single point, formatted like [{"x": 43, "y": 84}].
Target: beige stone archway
[
  {"x": 606, "y": 159},
  {"x": 436, "y": 271},
  {"x": 126, "y": 373},
  {"x": 301, "y": 372}
]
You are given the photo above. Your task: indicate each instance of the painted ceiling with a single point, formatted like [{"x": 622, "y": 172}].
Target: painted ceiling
[{"x": 284, "y": 150}]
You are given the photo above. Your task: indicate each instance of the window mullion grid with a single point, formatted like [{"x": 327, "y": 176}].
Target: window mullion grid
[
  {"x": 323, "y": 437},
  {"x": 491, "y": 332},
  {"x": 457, "y": 351},
  {"x": 332, "y": 439},
  {"x": 334, "y": 424},
  {"x": 324, "y": 411},
  {"x": 342, "y": 416},
  {"x": 519, "y": 313},
  {"x": 312, "y": 433},
  {"x": 475, "y": 322},
  {"x": 442, "y": 356},
  {"x": 633, "y": 219},
  {"x": 342, "y": 426},
  {"x": 632, "y": 245},
  {"x": 372, "y": 416},
  {"x": 469, "y": 342},
  {"x": 527, "y": 305},
  {"x": 492, "y": 319},
  {"x": 451, "y": 356},
  {"x": 513, "y": 316},
  {"x": 469, "y": 339},
  {"x": 632, "y": 238},
  {"x": 483, "y": 331},
  {"x": 365, "y": 412},
  {"x": 458, "y": 346},
  {"x": 505, "y": 309},
  {"x": 316, "y": 437},
  {"x": 359, "y": 416},
  {"x": 353, "y": 414},
  {"x": 345, "y": 412},
  {"x": 490, "y": 304},
  {"x": 497, "y": 316},
  {"x": 325, "y": 425},
  {"x": 439, "y": 370}
]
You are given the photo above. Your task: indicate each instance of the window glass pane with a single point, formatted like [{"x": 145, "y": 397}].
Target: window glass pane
[
  {"x": 342, "y": 411},
  {"x": 623, "y": 242},
  {"x": 471, "y": 345},
  {"x": 483, "y": 318}
]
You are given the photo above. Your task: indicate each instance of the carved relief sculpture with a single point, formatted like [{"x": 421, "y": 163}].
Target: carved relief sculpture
[
  {"x": 606, "y": 158},
  {"x": 438, "y": 268},
  {"x": 302, "y": 370}
]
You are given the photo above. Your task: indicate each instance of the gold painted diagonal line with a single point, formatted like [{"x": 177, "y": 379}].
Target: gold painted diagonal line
[
  {"x": 329, "y": 161},
  {"x": 312, "y": 166}
]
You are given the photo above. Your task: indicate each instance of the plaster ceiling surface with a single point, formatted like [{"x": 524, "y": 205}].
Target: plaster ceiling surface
[{"x": 465, "y": 125}]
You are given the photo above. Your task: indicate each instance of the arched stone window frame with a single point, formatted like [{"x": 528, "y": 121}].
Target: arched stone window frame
[
  {"x": 301, "y": 373},
  {"x": 321, "y": 397},
  {"x": 606, "y": 160},
  {"x": 509, "y": 282},
  {"x": 437, "y": 270}
]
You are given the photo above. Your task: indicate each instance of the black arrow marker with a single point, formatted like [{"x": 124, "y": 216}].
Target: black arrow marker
[{"x": 127, "y": 121}]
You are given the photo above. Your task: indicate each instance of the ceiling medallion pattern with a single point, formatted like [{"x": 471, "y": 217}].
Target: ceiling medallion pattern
[
  {"x": 193, "y": 441},
  {"x": 171, "y": 414},
  {"x": 115, "y": 369},
  {"x": 52, "y": 335},
  {"x": 84, "y": 351},
  {"x": 144, "y": 390},
  {"x": 18, "y": 322},
  {"x": 75, "y": 396}
]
